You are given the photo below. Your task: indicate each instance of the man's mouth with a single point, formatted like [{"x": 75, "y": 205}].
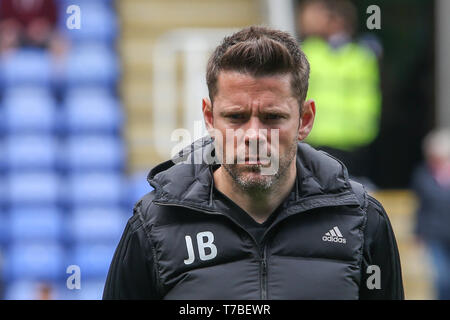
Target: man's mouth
[{"x": 257, "y": 161}]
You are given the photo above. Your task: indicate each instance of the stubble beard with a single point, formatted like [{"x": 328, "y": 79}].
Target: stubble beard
[{"x": 257, "y": 183}]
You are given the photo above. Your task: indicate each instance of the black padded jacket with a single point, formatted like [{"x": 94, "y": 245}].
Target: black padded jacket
[{"x": 330, "y": 240}]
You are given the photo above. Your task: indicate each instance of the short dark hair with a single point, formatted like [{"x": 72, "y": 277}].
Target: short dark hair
[{"x": 260, "y": 51}]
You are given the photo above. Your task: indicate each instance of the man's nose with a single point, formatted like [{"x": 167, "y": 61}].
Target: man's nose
[{"x": 255, "y": 131}]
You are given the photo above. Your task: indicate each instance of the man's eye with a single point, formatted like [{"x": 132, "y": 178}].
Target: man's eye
[
  {"x": 235, "y": 116},
  {"x": 272, "y": 116}
]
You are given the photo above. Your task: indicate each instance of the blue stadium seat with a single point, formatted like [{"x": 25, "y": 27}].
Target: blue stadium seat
[
  {"x": 91, "y": 289},
  {"x": 91, "y": 111},
  {"x": 29, "y": 290},
  {"x": 28, "y": 110},
  {"x": 34, "y": 261},
  {"x": 93, "y": 259},
  {"x": 97, "y": 224},
  {"x": 138, "y": 187},
  {"x": 36, "y": 224},
  {"x": 95, "y": 189},
  {"x": 32, "y": 188},
  {"x": 26, "y": 66},
  {"x": 91, "y": 64},
  {"x": 94, "y": 152},
  {"x": 4, "y": 229},
  {"x": 98, "y": 21},
  {"x": 3, "y": 190},
  {"x": 23, "y": 152}
]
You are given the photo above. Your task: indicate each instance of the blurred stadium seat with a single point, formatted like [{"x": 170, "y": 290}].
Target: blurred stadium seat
[
  {"x": 93, "y": 259},
  {"x": 91, "y": 111},
  {"x": 93, "y": 152},
  {"x": 4, "y": 229},
  {"x": 36, "y": 224},
  {"x": 32, "y": 188},
  {"x": 91, "y": 64},
  {"x": 22, "y": 152},
  {"x": 29, "y": 110},
  {"x": 26, "y": 67},
  {"x": 35, "y": 261},
  {"x": 95, "y": 189},
  {"x": 97, "y": 224},
  {"x": 28, "y": 289},
  {"x": 138, "y": 187},
  {"x": 99, "y": 21},
  {"x": 91, "y": 289}
]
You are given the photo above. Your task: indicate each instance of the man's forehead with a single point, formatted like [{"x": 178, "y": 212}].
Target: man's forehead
[
  {"x": 237, "y": 78},
  {"x": 234, "y": 83}
]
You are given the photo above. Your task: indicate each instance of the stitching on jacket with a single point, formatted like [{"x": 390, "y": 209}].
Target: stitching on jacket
[
  {"x": 344, "y": 170},
  {"x": 362, "y": 229},
  {"x": 378, "y": 205},
  {"x": 211, "y": 265},
  {"x": 147, "y": 234},
  {"x": 188, "y": 189},
  {"x": 339, "y": 199},
  {"x": 346, "y": 262}
]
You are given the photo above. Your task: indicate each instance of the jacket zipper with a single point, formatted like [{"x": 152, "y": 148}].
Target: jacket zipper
[{"x": 264, "y": 274}]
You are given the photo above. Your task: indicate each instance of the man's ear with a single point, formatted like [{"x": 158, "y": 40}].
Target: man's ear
[
  {"x": 207, "y": 114},
  {"x": 307, "y": 119}
]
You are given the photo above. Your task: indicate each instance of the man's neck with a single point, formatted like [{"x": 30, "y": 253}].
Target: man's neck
[{"x": 259, "y": 206}]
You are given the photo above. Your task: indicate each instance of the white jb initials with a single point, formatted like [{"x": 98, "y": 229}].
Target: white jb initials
[{"x": 202, "y": 245}]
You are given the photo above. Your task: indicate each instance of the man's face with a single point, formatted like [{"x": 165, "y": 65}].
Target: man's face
[{"x": 255, "y": 122}]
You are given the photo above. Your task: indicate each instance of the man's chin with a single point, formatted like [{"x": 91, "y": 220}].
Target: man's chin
[
  {"x": 250, "y": 177},
  {"x": 255, "y": 182}
]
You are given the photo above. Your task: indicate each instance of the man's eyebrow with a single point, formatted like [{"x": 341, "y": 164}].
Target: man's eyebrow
[
  {"x": 275, "y": 108},
  {"x": 232, "y": 108}
]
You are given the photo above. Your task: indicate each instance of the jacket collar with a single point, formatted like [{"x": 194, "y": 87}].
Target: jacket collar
[{"x": 321, "y": 179}]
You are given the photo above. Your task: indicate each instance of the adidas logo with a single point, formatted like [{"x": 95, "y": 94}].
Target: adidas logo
[{"x": 334, "y": 235}]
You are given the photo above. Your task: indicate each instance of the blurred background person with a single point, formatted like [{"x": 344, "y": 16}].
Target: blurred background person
[
  {"x": 431, "y": 183},
  {"x": 313, "y": 19},
  {"x": 28, "y": 23},
  {"x": 344, "y": 83},
  {"x": 44, "y": 292}
]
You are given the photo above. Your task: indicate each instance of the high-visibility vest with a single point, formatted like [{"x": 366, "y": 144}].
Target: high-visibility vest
[{"x": 344, "y": 84}]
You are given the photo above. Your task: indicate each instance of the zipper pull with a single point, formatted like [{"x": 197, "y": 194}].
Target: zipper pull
[{"x": 264, "y": 266}]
